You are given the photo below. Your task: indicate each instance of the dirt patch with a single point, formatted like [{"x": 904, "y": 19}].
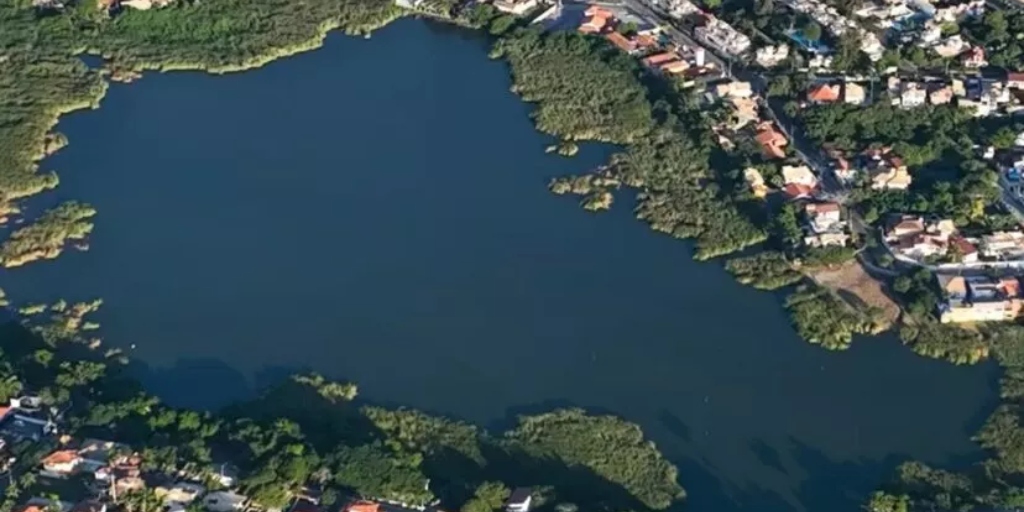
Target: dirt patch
[{"x": 860, "y": 290}]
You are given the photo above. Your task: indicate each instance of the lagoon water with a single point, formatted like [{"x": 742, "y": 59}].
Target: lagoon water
[{"x": 377, "y": 211}]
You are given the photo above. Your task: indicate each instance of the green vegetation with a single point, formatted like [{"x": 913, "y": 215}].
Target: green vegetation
[
  {"x": 332, "y": 391},
  {"x": 488, "y": 497},
  {"x": 582, "y": 440},
  {"x": 565, "y": 148},
  {"x": 823, "y": 318},
  {"x": 945, "y": 341},
  {"x": 999, "y": 31},
  {"x": 828, "y": 256},
  {"x": 584, "y": 89},
  {"x": 764, "y": 271},
  {"x": 47, "y": 237},
  {"x": 309, "y": 430}
]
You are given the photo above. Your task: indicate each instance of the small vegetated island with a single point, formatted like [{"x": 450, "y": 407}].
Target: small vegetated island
[{"x": 878, "y": 199}]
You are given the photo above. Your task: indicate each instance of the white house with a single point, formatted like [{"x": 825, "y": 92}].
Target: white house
[
  {"x": 799, "y": 175},
  {"x": 520, "y": 500}
]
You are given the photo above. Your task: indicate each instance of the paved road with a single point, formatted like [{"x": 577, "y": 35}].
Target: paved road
[{"x": 651, "y": 12}]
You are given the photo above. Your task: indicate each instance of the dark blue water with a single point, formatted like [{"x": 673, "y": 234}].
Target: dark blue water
[{"x": 377, "y": 211}]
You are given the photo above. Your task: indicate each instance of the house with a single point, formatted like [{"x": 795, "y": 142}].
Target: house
[
  {"x": 950, "y": 47},
  {"x": 912, "y": 95},
  {"x": 96, "y": 453},
  {"x": 744, "y": 112},
  {"x": 979, "y": 298},
  {"x": 597, "y": 20},
  {"x": 799, "y": 175},
  {"x": 920, "y": 246},
  {"x": 733, "y": 89},
  {"x": 621, "y": 42},
  {"x": 963, "y": 250},
  {"x": 885, "y": 170},
  {"x": 143, "y": 5},
  {"x": 979, "y": 109},
  {"x": 225, "y": 474},
  {"x": 516, "y": 7},
  {"x": 974, "y": 58},
  {"x": 179, "y": 495},
  {"x": 826, "y": 225},
  {"x": 823, "y": 93},
  {"x": 893, "y": 178},
  {"x": 795, "y": 191},
  {"x": 645, "y": 42},
  {"x": 61, "y": 463},
  {"x": 122, "y": 475},
  {"x": 756, "y": 182},
  {"x": 1015, "y": 80},
  {"x": 771, "y": 56},
  {"x": 772, "y": 142},
  {"x": 892, "y": 86},
  {"x": 941, "y": 96},
  {"x": 823, "y": 216},
  {"x": 828, "y": 239},
  {"x": 225, "y": 501},
  {"x": 843, "y": 171},
  {"x": 854, "y": 94},
  {"x": 363, "y": 506},
  {"x": 1003, "y": 245},
  {"x": 653, "y": 61},
  {"x": 904, "y": 225},
  {"x": 911, "y": 237},
  {"x": 674, "y": 67},
  {"x": 959, "y": 89},
  {"x": 520, "y": 500}
]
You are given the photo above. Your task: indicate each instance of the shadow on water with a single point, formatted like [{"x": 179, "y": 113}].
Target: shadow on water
[{"x": 822, "y": 483}]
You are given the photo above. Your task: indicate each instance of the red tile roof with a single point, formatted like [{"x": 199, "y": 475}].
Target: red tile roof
[
  {"x": 660, "y": 58},
  {"x": 621, "y": 42},
  {"x": 822, "y": 207},
  {"x": 363, "y": 506},
  {"x": 797, "y": 191},
  {"x": 824, "y": 93},
  {"x": 61, "y": 457}
]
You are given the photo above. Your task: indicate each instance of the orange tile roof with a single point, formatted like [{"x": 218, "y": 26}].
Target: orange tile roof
[
  {"x": 822, "y": 207},
  {"x": 593, "y": 25},
  {"x": 676, "y": 66},
  {"x": 363, "y": 506},
  {"x": 621, "y": 42},
  {"x": 30, "y": 508},
  {"x": 646, "y": 41},
  {"x": 824, "y": 93},
  {"x": 771, "y": 141},
  {"x": 660, "y": 58},
  {"x": 61, "y": 457},
  {"x": 796, "y": 190}
]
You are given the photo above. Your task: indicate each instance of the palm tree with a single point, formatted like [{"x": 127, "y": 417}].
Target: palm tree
[{"x": 10, "y": 386}]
